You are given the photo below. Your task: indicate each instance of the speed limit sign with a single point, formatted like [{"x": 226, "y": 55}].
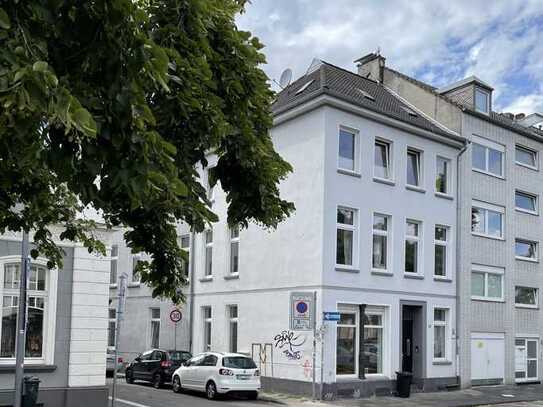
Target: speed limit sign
[{"x": 176, "y": 316}]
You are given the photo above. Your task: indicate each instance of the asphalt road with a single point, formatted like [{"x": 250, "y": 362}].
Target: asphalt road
[{"x": 141, "y": 394}]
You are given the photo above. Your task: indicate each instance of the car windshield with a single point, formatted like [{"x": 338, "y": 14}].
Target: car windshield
[
  {"x": 238, "y": 362},
  {"x": 179, "y": 355}
]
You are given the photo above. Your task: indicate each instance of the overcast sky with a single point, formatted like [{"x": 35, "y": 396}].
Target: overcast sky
[{"x": 500, "y": 41}]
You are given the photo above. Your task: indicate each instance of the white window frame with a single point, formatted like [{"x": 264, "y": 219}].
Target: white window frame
[
  {"x": 114, "y": 263},
  {"x": 382, "y": 312},
  {"x": 356, "y": 160},
  {"x": 388, "y": 158},
  {"x": 420, "y": 167},
  {"x": 232, "y": 321},
  {"x": 489, "y": 207},
  {"x": 486, "y": 270},
  {"x": 419, "y": 239},
  {"x": 520, "y": 305},
  {"x": 487, "y": 94},
  {"x": 528, "y": 195},
  {"x": 186, "y": 249},
  {"x": 536, "y": 250},
  {"x": 153, "y": 320},
  {"x": 114, "y": 322},
  {"x": 233, "y": 240},
  {"x": 447, "y": 325},
  {"x": 345, "y": 309},
  {"x": 449, "y": 183},
  {"x": 388, "y": 235},
  {"x": 444, "y": 243},
  {"x": 50, "y": 309},
  {"x": 207, "y": 320},
  {"x": 489, "y": 145},
  {"x": 208, "y": 245},
  {"x": 530, "y": 151},
  {"x": 135, "y": 280},
  {"x": 353, "y": 228}
]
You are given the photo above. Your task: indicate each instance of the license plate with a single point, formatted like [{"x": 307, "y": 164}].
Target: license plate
[{"x": 243, "y": 376}]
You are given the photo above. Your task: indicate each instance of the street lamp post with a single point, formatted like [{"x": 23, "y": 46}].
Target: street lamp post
[{"x": 21, "y": 321}]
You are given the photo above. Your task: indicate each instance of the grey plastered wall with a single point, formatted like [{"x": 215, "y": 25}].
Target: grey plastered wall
[{"x": 57, "y": 375}]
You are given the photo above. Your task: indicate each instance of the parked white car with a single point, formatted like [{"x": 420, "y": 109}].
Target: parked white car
[{"x": 218, "y": 373}]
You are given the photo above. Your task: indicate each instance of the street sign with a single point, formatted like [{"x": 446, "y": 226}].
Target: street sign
[
  {"x": 301, "y": 311},
  {"x": 331, "y": 316},
  {"x": 176, "y": 316}
]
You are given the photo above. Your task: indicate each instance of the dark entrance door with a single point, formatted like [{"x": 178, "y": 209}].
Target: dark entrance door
[
  {"x": 407, "y": 345},
  {"x": 413, "y": 339}
]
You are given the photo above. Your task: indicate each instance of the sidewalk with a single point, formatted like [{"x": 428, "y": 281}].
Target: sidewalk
[{"x": 476, "y": 396}]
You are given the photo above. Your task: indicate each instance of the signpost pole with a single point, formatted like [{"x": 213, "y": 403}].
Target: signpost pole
[
  {"x": 119, "y": 315},
  {"x": 322, "y": 331},
  {"x": 314, "y": 340}
]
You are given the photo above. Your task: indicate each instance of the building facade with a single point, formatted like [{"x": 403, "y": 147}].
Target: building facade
[
  {"x": 499, "y": 275},
  {"x": 373, "y": 236}
]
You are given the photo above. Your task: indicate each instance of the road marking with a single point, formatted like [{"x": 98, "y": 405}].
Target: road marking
[{"x": 130, "y": 403}]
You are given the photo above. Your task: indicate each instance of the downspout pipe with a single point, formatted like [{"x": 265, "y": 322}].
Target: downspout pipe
[{"x": 191, "y": 290}]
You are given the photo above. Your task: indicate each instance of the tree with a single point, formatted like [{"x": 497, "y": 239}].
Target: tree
[{"x": 113, "y": 104}]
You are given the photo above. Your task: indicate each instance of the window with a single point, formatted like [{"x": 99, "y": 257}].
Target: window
[
  {"x": 482, "y": 101},
  {"x": 233, "y": 328},
  {"x": 526, "y": 297},
  {"x": 441, "y": 235},
  {"x": 443, "y": 181},
  {"x": 487, "y": 157},
  {"x": 136, "y": 277},
  {"x": 525, "y": 250},
  {"x": 525, "y": 202},
  {"x": 347, "y": 344},
  {"x": 207, "y": 328},
  {"x": 414, "y": 170},
  {"x": 487, "y": 220},
  {"x": 112, "y": 327},
  {"x": 373, "y": 342},
  {"x": 526, "y": 157},
  {"x": 412, "y": 246},
  {"x": 210, "y": 190},
  {"x": 185, "y": 246},
  {"x": 347, "y": 159},
  {"x": 380, "y": 241},
  {"x": 345, "y": 236},
  {"x": 486, "y": 283},
  {"x": 382, "y": 163},
  {"x": 155, "y": 328},
  {"x": 113, "y": 264},
  {"x": 234, "y": 250},
  {"x": 208, "y": 236},
  {"x": 440, "y": 333},
  {"x": 526, "y": 356},
  {"x": 38, "y": 300}
]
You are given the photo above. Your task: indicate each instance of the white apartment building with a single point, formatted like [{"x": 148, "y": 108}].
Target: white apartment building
[{"x": 373, "y": 235}]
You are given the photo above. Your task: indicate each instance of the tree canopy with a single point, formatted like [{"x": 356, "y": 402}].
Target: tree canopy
[{"x": 114, "y": 104}]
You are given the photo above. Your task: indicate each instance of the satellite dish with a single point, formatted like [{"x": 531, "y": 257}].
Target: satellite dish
[{"x": 286, "y": 77}]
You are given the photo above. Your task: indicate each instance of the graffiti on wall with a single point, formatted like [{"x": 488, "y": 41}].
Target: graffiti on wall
[{"x": 289, "y": 343}]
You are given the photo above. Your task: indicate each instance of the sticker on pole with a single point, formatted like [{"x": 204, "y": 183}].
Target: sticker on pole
[
  {"x": 301, "y": 311},
  {"x": 176, "y": 316}
]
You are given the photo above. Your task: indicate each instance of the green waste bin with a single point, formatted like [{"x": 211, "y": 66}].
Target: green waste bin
[
  {"x": 403, "y": 384},
  {"x": 31, "y": 387}
]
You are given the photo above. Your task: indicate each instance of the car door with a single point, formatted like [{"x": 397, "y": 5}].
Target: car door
[
  {"x": 188, "y": 374},
  {"x": 139, "y": 366},
  {"x": 206, "y": 370},
  {"x": 153, "y": 364}
]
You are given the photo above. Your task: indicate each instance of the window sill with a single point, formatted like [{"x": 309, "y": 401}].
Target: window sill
[
  {"x": 113, "y": 286},
  {"x": 489, "y": 174},
  {"x": 347, "y": 269},
  {"x": 526, "y": 166},
  {"x": 441, "y": 362},
  {"x": 442, "y": 279},
  {"x": 415, "y": 189},
  {"x": 527, "y": 259},
  {"x": 444, "y": 196},
  {"x": 488, "y": 236},
  {"x": 28, "y": 368},
  {"x": 384, "y": 181},
  {"x": 349, "y": 172},
  {"x": 206, "y": 279},
  {"x": 527, "y": 212},
  {"x": 487, "y": 299},
  {"x": 233, "y": 276},
  {"x": 526, "y": 306},
  {"x": 414, "y": 276},
  {"x": 382, "y": 273},
  {"x": 133, "y": 285}
]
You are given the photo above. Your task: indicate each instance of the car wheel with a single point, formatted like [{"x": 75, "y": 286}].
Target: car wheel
[
  {"x": 157, "y": 381},
  {"x": 176, "y": 385},
  {"x": 211, "y": 391},
  {"x": 129, "y": 377},
  {"x": 253, "y": 395}
]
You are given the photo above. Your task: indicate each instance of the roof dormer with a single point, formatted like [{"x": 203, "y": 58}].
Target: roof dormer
[{"x": 470, "y": 92}]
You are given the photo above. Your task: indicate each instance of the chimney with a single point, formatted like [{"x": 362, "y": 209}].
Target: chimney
[
  {"x": 520, "y": 116},
  {"x": 372, "y": 66}
]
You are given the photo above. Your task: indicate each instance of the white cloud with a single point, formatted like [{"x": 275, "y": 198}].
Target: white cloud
[{"x": 526, "y": 104}]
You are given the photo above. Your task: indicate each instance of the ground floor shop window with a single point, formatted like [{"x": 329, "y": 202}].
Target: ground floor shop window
[
  {"x": 373, "y": 342},
  {"x": 347, "y": 343},
  {"x": 440, "y": 333}
]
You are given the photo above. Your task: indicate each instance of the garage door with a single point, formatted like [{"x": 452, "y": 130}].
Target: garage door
[{"x": 487, "y": 357}]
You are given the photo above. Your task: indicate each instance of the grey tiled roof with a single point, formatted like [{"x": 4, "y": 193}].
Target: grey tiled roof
[{"x": 350, "y": 87}]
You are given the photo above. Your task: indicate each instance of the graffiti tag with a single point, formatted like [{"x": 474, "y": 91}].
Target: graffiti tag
[{"x": 288, "y": 341}]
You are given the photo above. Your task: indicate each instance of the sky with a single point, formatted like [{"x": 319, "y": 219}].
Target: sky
[{"x": 436, "y": 41}]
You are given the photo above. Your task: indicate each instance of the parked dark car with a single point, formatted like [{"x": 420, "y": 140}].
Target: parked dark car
[{"x": 156, "y": 366}]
